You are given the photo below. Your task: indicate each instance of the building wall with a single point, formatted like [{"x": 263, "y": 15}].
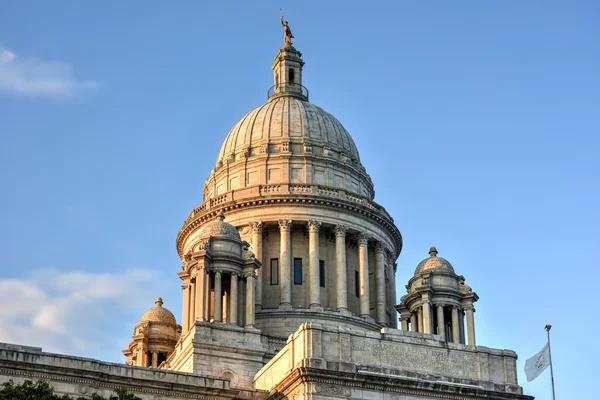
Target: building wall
[{"x": 76, "y": 376}]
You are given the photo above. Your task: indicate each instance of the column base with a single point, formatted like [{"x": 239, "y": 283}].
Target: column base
[
  {"x": 344, "y": 312},
  {"x": 257, "y": 307},
  {"x": 285, "y": 307},
  {"x": 368, "y": 318},
  {"x": 316, "y": 307}
]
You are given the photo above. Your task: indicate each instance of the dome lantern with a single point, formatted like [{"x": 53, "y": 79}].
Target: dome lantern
[{"x": 287, "y": 75}]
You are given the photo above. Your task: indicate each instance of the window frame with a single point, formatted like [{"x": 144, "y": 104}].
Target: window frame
[
  {"x": 322, "y": 276},
  {"x": 297, "y": 271},
  {"x": 274, "y": 281}
]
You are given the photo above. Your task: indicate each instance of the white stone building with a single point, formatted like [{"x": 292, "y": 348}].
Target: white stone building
[{"x": 289, "y": 287}]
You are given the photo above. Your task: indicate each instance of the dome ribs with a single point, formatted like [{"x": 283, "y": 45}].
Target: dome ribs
[{"x": 250, "y": 132}]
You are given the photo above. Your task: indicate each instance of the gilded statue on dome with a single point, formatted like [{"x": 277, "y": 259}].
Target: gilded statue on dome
[{"x": 287, "y": 32}]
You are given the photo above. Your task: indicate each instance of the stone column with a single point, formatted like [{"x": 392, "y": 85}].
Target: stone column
[
  {"x": 341, "y": 267},
  {"x": 257, "y": 233},
  {"x": 314, "y": 298},
  {"x": 455, "y": 327},
  {"x": 207, "y": 296},
  {"x": 405, "y": 323},
  {"x": 413, "y": 323},
  {"x": 391, "y": 294},
  {"x": 363, "y": 266},
  {"x": 241, "y": 301},
  {"x": 420, "y": 321},
  {"x": 426, "y": 316},
  {"x": 185, "y": 323},
  {"x": 192, "y": 308},
  {"x": 461, "y": 325},
  {"x": 441, "y": 326},
  {"x": 250, "y": 300},
  {"x": 471, "y": 324},
  {"x": 233, "y": 308},
  {"x": 200, "y": 294},
  {"x": 381, "y": 316},
  {"x": 218, "y": 297},
  {"x": 142, "y": 360},
  {"x": 285, "y": 263},
  {"x": 393, "y": 288},
  {"x": 154, "y": 359}
]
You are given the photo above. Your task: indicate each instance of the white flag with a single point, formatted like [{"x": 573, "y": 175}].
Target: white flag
[{"x": 537, "y": 364}]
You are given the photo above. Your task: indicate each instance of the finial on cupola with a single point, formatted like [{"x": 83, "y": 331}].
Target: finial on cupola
[{"x": 433, "y": 251}]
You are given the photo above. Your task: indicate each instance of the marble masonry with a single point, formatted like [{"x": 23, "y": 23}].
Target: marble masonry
[{"x": 289, "y": 285}]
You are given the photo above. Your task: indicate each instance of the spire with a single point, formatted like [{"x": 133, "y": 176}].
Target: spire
[{"x": 287, "y": 70}]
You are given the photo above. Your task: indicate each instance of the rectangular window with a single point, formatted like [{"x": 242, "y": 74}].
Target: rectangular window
[
  {"x": 274, "y": 271},
  {"x": 297, "y": 271},
  {"x": 322, "y": 273},
  {"x": 356, "y": 284}
]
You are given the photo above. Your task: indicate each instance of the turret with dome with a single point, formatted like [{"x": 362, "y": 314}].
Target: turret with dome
[
  {"x": 153, "y": 338},
  {"x": 436, "y": 301}
]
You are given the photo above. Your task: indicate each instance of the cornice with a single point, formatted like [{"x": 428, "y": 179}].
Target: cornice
[
  {"x": 201, "y": 214},
  {"x": 321, "y": 380}
]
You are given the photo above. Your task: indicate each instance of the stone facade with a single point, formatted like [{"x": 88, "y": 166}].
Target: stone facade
[{"x": 288, "y": 285}]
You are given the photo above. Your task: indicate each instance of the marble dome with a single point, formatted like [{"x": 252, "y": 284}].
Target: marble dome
[
  {"x": 159, "y": 314},
  {"x": 434, "y": 263},
  {"x": 293, "y": 120},
  {"x": 288, "y": 141}
]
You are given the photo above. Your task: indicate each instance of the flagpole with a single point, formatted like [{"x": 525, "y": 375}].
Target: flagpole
[{"x": 548, "y": 327}]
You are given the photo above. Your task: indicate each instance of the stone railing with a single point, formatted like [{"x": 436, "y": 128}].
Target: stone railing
[
  {"x": 273, "y": 343},
  {"x": 283, "y": 189}
]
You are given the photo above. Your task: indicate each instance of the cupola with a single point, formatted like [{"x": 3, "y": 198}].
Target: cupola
[{"x": 437, "y": 301}]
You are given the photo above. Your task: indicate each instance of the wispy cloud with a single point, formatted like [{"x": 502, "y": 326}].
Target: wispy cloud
[
  {"x": 75, "y": 312},
  {"x": 34, "y": 77}
]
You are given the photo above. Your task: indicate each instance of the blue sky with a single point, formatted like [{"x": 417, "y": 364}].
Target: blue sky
[{"x": 478, "y": 122}]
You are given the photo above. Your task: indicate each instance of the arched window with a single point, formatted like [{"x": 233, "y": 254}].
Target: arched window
[{"x": 291, "y": 75}]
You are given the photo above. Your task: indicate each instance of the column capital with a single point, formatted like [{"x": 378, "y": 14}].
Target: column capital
[
  {"x": 469, "y": 308},
  {"x": 440, "y": 305},
  {"x": 363, "y": 238},
  {"x": 340, "y": 230},
  {"x": 313, "y": 225},
  {"x": 218, "y": 271},
  {"x": 285, "y": 225},
  {"x": 380, "y": 247},
  {"x": 185, "y": 286},
  {"x": 257, "y": 226}
]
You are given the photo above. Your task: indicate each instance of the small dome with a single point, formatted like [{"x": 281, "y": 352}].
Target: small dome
[
  {"x": 219, "y": 228},
  {"x": 434, "y": 263},
  {"x": 159, "y": 314}
]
